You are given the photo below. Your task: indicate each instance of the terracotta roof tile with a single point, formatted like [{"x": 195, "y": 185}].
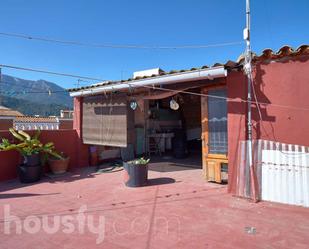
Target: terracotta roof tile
[
  {"x": 4, "y": 111},
  {"x": 31, "y": 119},
  {"x": 282, "y": 52}
]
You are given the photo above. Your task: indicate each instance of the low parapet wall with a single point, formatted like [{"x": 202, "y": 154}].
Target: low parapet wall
[{"x": 66, "y": 141}]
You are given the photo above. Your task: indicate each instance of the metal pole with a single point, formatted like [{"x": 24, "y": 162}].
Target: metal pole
[
  {"x": 78, "y": 83},
  {"x": 0, "y": 83},
  {"x": 248, "y": 71}
]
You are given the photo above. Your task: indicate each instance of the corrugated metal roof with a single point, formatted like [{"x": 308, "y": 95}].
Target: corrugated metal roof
[{"x": 265, "y": 55}]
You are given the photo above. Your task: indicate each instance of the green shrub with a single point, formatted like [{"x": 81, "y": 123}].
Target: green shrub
[{"x": 141, "y": 161}]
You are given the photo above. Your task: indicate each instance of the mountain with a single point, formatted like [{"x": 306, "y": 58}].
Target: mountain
[{"x": 32, "y": 97}]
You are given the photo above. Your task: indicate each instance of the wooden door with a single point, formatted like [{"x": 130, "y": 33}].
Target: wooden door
[{"x": 214, "y": 134}]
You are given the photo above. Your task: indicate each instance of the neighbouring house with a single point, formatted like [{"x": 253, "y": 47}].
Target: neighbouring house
[
  {"x": 66, "y": 120},
  {"x": 36, "y": 123},
  {"x": 14, "y": 119},
  {"x": 202, "y": 113},
  {"x": 66, "y": 114},
  {"x": 7, "y": 117}
]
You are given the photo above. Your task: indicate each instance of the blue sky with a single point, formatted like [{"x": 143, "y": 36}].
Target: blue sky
[{"x": 145, "y": 22}]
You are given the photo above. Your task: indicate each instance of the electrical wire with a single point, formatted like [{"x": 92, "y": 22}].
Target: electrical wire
[
  {"x": 12, "y": 92},
  {"x": 50, "y": 72},
  {"x": 18, "y": 85},
  {"x": 151, "y": 87},
  {"x": 50, "y": 92},
  {"x": 176, "y": 92},
  {"x": 41, "y": 92},
  {"x": 170, "y": 90},
  {"x": 33, "y": 82},
  {"x": 121, "y": 46},
  {"x": 265, "y": 130},
  {"x": 226, "y": 98}
]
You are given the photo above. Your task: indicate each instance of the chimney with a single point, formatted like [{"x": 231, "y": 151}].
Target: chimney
[{"x": 147, "y": 73}]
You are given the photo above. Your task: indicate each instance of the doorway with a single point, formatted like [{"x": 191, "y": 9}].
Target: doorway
[
  {"x": 214, "y": 134},
  {"x": 174, "y": 125}
]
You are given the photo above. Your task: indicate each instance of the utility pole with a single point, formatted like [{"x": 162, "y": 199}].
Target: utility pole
[
  {"x": 78, "y": 83},
  {"x": 248, "y": 71},
  {"x": 0, "y": 83}
]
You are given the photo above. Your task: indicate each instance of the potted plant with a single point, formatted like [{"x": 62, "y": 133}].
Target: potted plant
[
  {"x": 58, "y": 165},
  {"x": 136, "y": 172},
  {"x": 30, "y": 170}
]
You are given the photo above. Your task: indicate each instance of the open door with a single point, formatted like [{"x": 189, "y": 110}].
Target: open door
[{"x": 214, "y": 134}]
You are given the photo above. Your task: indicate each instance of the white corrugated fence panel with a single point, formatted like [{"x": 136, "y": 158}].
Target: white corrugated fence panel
[{"x": 285, "y": 173}]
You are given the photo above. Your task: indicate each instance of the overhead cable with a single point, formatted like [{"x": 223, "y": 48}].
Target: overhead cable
[
  {"x": 50, "y": 72},
  {"x": 121, "y": 46},
  {"x": 153, "y": 87}
]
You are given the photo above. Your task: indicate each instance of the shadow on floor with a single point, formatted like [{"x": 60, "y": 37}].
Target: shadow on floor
[
  {"x": 74, "y": 175},
  {"x": 158, "y": 167},
  {"x": 173, "y": 165},
  {"x": 20, "y": 195},
  {"x": 158, "y": 164},
  {"x": 160, "y": 181},
  {"x": 170, "y": 164}
]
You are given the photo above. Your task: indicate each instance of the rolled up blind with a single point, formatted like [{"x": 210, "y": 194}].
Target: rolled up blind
[{"x": 105, "y": 120}]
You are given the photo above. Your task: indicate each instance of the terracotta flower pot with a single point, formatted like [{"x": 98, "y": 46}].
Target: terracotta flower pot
[{"x": 58, "y": 166}]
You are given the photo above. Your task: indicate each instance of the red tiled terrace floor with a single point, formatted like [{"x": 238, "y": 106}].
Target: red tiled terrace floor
[{"x": 185, "y": 212}]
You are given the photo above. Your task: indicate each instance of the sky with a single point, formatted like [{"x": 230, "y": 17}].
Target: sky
[{"x": 140, "y": 22}]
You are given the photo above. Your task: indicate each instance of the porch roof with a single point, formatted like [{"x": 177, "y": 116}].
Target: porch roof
[{"x": 267, "y": 54}]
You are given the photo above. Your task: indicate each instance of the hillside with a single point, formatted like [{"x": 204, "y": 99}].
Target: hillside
[
  {"x": 32, "y": 98},
  {"x": 31, "y": 108}
]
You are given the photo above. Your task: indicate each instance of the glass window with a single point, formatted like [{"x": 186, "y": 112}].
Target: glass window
[{"x": 217, "y": 122}]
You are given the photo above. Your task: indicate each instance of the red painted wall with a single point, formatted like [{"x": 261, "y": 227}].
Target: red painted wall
[
  {"x": 284, "y": 86},
  {"x": 82, "y": 149},
  {"x": 65, "y": 124},
  {"x": 236, "y": 90},
  {"x": 66, "y": 141},
  {"x": 6, "y": 123}
]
